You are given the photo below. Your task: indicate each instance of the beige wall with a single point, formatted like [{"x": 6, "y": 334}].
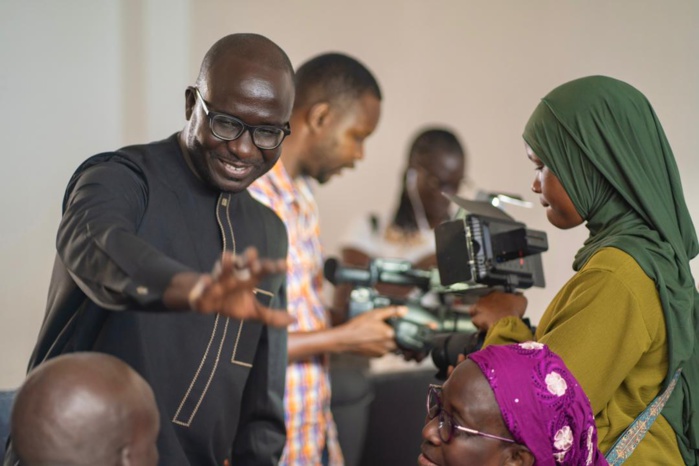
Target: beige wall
[{"x": 80, "y": 76}]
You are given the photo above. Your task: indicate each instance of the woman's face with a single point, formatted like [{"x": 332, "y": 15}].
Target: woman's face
[
  {"x": 443, "y": 172},
  {"x": 560, "y": 210},
  {"x": 467, "y": 396}
]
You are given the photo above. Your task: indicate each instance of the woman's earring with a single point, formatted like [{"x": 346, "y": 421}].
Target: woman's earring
[{"x": 411, "y": 178}]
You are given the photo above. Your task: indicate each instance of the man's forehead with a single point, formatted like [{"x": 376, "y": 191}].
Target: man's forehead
[
  {"x": 252, "y": 80},
  {"x": 256, "y": 86},
  {"x": 232, "y": 66}
]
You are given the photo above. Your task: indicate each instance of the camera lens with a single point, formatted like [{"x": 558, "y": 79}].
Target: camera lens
[{"x": 448, "y": 347}]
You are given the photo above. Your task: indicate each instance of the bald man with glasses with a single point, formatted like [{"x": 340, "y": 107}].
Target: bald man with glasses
[{"x": 160, "y": 263}]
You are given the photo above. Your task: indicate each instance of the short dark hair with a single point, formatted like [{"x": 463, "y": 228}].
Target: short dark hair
[
  {"x": 435, "y": 140},
  {"x": 331, "y": 77},
  {"x": 428, "y": 143}
]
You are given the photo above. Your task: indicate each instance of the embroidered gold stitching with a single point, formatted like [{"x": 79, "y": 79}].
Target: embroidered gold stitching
[
  {"x": 196, "y": 376},
  {"x": 264, "y": 292},
  {"x": 211, "y": 376},
  {"x": 240, "y": 331},
  {"x": 223, "y": 201},
  {"x": 230, "y": 225},
  {"x": 235, "y": 348},
  {"x": 242, "y": 322},
  {"x": 220, "y": 224}
]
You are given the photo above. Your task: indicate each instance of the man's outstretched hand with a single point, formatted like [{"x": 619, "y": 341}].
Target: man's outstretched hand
[{"x": 229, "y": 289}]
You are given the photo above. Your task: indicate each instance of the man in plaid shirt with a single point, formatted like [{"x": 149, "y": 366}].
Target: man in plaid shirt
[{"x": 337, "y": 107}]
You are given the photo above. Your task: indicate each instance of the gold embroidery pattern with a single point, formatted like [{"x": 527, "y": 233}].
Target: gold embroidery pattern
[
  {"x": 188, "y": 422},
  {"x": 230, "y": 224},
  {"x": 222, "y": 202},
  {"x": 179, "y": 418},
  {"x": 235, "y": 348},
  {"x": 220, "y": 224}
]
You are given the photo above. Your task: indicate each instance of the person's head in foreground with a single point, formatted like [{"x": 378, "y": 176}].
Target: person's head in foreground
[
  {"x": 510, "y": 405},
  {"x": 85, "y": 409}
]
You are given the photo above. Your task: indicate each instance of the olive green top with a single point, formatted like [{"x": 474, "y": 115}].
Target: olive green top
[
  {"x": 602, "y": 139},
  {"x": 607, "y": 324}
]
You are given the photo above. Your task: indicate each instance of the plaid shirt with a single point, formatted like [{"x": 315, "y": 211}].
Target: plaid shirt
[{"x": 309, "y": 423}]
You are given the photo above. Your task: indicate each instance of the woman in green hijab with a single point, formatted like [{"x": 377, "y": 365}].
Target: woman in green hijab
[{"x": 628, "y": 319}]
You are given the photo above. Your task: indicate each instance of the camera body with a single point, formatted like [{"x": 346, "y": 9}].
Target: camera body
[
  {"x": 413, "y": 331},
  {"x": 482, "y": 249},
  {"x": 429, "y": 311}
]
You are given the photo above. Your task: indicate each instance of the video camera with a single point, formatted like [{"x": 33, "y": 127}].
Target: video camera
[
  {"x": 482, "y": 249},
  {"x": 428, "y": 313}
]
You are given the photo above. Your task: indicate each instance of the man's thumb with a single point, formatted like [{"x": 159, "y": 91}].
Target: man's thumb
[{"x": 391, "y": 311}]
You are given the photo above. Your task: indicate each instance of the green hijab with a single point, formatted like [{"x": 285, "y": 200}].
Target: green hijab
[{"x": 603, "y": 141}]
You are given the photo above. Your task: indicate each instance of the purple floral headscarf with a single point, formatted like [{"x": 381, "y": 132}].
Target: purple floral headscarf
[{"x": 543, "y": 406}]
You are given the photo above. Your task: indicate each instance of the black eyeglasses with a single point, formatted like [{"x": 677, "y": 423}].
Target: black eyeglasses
[
  {"x": 229, "y": 128},
  {"x": 447, "y": 426}
]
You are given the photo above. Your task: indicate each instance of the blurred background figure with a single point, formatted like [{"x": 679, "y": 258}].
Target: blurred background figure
[
  {"x": 7, "y": 397},
  {"x": 436, "y": 164},
  {"x": 85, "y": 409},
  {"x": 337, "y": 107}
]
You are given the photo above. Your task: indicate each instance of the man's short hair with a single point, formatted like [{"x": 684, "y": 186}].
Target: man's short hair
[{"x": 333, "y": 77}]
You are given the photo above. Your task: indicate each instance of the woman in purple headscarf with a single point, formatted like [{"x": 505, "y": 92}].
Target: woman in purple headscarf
[{"x": 510, "y": 405}]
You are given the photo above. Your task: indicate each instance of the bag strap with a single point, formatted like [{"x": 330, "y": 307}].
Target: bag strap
[{"x": 632, "y": 436}]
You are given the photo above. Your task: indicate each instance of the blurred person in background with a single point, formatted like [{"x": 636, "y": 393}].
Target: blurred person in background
[
  {"x": 435, "y": 164},
  {"x": 337, "y": 106}
]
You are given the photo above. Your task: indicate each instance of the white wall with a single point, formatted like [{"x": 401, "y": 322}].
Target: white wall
[
  {"x": 80, "y": 76},
  {"x": 60, "y": 92}
]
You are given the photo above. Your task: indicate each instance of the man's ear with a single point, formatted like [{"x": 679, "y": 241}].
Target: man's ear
[
  {"x": 518, "y": 455},
  {"x": 190, "y": 100},
  {"x": 317, "y": 116}
]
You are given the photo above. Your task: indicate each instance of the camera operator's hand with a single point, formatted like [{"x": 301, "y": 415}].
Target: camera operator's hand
[
  {"x": 412, "y": 355},
  {"x": 368, "y": 334},
  {"x": 495, "y": 306},
  {"x": 461, "y": 358},
  {"x": 416, "y": 355}
]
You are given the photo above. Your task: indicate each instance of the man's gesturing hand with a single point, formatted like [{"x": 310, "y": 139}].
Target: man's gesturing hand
[{"x": 230, "y": 289}]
